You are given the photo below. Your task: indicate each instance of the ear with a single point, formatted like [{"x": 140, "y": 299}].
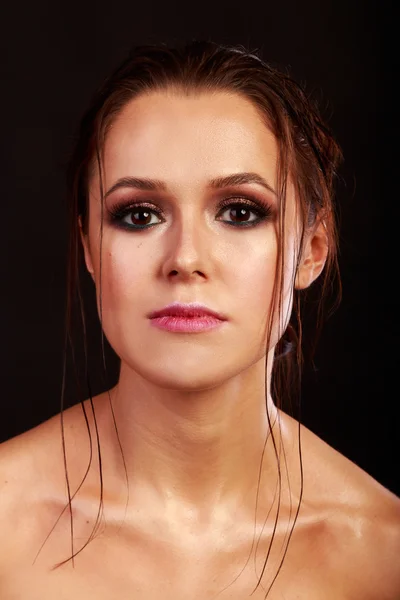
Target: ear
[
  {"x": 313, "y": 257},
  {"x": 86, "y": 249}
]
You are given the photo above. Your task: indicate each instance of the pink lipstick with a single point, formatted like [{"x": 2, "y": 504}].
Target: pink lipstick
[{"x": 186, "y": 318}]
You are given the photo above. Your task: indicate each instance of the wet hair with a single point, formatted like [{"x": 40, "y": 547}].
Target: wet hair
[{"x": 307, "y": 152}]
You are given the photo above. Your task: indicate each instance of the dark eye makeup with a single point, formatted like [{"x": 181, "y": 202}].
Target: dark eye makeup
[{"x": 127, "y": 215}]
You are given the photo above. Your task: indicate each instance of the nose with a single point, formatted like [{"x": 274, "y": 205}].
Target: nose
[{"x": 187, "y": 249}]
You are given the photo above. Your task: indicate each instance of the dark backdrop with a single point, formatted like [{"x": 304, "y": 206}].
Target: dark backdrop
[{"x": 54, "y": 54}]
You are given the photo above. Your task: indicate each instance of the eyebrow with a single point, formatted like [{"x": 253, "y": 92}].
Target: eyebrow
[{"x": 156, "y": 185}]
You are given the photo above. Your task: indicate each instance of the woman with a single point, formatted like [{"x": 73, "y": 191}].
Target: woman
[{"x": 201, "y": 196}]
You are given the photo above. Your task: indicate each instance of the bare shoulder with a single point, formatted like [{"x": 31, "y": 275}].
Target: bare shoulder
[
  {"x": 34, "y": 457},
  {"x": 363, "y": 516},
  {"x": 377, "y": 535},
  {"x": 32, "y": 483},
  {"x": 24, "y": 468}
]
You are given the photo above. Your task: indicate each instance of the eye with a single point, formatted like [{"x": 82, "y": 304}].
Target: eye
[
  {"x": 240, "y": 213},
  {"x": 133, "y": 217},
  {"x": 141, "y": 216}
]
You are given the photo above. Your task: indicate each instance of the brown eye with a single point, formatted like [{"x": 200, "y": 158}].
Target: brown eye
[
  {"x": 135, "y": 217},
  {"x": 239, "y": 213},
  {"x": 140, "y": 217}
]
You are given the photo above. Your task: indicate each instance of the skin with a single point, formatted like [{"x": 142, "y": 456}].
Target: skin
[
  {"x": 190, "y": 408},
  {"x": 200, "y": 393}
]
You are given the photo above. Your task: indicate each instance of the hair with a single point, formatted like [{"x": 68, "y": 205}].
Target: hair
[{"x": 306, "y": 150}]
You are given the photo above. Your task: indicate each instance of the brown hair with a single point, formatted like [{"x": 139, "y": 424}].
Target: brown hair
[{"x": 307, "y": 150}]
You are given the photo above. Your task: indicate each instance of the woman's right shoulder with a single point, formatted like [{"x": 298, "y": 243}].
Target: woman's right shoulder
[
  {"x": 31, "y": 473},
  {"x": 23, "y": 462},
  {"x": 20, "y": 455},
  {"x": 32, "y": 466},
  {"x": 17, "y": 459},
  {"x": 26, "y": 458}
]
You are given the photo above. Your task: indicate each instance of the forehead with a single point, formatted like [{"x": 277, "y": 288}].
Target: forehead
[{"x": 189, "y": 139}]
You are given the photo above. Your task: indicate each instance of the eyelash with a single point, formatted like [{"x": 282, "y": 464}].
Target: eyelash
[{"x": 119, "y": 211}]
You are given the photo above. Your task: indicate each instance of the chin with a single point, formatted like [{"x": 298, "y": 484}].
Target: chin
[{"x": 181, "y": 375}]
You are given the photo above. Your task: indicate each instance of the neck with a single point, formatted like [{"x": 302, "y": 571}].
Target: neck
[{"x": 195, "y": 449}]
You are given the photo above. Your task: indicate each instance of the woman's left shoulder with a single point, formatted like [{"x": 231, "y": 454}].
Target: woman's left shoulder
[
  {"x": 372, "y": 545},
  {"x": 363, "y": 516},
  {"x": 375, "y": 515}
]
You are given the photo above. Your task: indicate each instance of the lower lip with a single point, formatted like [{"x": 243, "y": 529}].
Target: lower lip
[{"x": 187, "y": 325}]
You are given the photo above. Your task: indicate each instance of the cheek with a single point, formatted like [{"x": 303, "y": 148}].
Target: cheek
[
  {"x": 124, "y": 270},
  {"x": 251, "y": 272},
  {"x": 266, "y": 300},
  {"x": 240, "y": 275},
  {"x": 252, "y": 277},
  {"x": 245, "y": 265}
]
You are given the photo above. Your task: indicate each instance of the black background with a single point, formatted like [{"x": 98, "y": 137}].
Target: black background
[{"x": 53, "y": 56}]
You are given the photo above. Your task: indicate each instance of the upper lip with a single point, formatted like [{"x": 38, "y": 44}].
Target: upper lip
[{"x": 192, "y": 309}]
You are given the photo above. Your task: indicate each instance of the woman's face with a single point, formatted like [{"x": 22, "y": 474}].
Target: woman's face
[{"x": 183, "y": 246}]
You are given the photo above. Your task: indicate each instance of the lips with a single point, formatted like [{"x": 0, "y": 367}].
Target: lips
[{"x": 187, "y": 311}]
